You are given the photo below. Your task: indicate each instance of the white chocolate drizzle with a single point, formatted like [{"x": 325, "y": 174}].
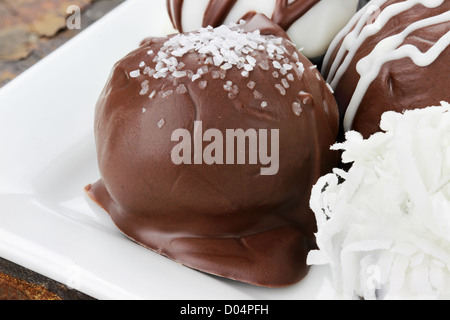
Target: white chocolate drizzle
[{"x": 389, "y": 49}]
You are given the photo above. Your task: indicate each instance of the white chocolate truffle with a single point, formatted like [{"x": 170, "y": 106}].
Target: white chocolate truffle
[{"x": 317, "y": 23}]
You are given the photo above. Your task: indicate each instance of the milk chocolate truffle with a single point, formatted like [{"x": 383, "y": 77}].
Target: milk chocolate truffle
[
  {"x": 310, "y": 24},
  {"x": 170, "y": 180},
  {"x": 392, "y": 56}
]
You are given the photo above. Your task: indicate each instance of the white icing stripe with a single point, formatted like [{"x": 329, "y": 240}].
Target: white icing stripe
[
  {"x": 354, "y": 41},
  {"x": 386, "y": 50},
  {"x": 360, "y": 17}
]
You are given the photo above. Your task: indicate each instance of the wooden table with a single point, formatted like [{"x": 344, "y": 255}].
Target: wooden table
[{"x": 29, "y": 31}]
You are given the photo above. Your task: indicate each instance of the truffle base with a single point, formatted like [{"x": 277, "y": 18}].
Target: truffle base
[{"x": 270, "y": 258}]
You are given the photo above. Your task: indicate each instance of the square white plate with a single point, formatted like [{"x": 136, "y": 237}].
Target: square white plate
[{"x": 48, "y": 156}]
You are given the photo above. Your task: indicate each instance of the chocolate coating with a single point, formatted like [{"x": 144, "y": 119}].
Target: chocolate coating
[
  {"x": 226, "y": 220},
  {"x": 401, "y": 83}
]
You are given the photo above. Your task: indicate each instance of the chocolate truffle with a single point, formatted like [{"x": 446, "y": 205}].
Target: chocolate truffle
[
  {"x": 241, "y": 219},
  {"x": 392, "y": 56},
  {"x": 310, "y": 24}
]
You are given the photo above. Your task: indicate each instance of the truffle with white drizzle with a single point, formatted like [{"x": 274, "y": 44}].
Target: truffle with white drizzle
[
  {"x": 393, "y": 55},
  {"x": 225, "y": 219}
]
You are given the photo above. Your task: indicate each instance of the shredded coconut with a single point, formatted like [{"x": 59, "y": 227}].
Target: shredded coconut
[{"x": 384, "y": 226}]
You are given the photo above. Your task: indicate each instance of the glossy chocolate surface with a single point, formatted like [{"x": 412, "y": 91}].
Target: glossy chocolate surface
[
  {"x": 400, "y": 84},
  {"x": 226, "y": 220}
]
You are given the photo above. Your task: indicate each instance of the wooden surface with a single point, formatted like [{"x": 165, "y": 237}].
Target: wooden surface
[
  {"x": 29, "y": 31},
  {"x": 18, "y": 283}
]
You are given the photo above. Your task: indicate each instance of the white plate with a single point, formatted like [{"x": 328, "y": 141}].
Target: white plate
[{"x": 48, "y": 156}]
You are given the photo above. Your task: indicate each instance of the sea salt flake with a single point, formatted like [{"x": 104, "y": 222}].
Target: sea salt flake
[
  {"x": 281, "y": 89},
  {"x": 161, "y": 123},
  {"x": 163, "y": 55},
  {"x": 145, "y": 88},
  {"x": 179, "y": 74},
  {"x": 251, "y": 60},
  {"x": 248, "y": 67},
  {"x": 147, "y": 70},
  {"x": 297, "y": 108},
  {"x": 276, "y": 65},
  {"x": 264, "y": 104},
  {"x": 228, "y": 86},
  {"x": 227, "y": 66},
  {"x": 165, "y": 94},
  {"x": 203, "y": 70},
  {"x": 257, "y": 95},
  {"x": 181, "y": 89},
  {"x": 251, "y": 85},
  {"x": 264, "y": 65},
  {"x": 215, "y": 74},
  {"x": 300, "y": 67},
  {"x": 218, "y": 60},
  {"x": 135, "y": 73},
  {"x": 203, "y": 84}
]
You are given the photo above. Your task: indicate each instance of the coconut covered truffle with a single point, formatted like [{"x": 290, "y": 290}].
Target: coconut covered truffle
[
  {"x": 310, "y": 24},
  {"x": 208, "y": 145},
  {"x": 384, "y": 226},
  {"x": 392, "y": 56}
]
